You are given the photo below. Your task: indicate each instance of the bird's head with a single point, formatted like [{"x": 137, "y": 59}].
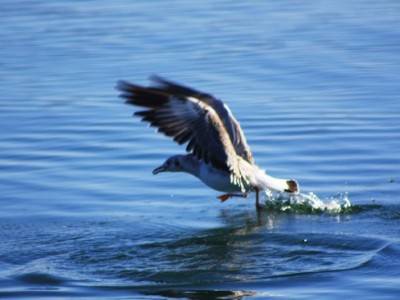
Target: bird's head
[{"x": 173, "y": 164}]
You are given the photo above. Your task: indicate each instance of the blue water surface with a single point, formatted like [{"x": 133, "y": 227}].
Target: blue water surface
[{"x": 315, "y": 85}]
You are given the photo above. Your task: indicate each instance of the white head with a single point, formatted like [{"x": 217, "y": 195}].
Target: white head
[{"x": 175, "y": 163}]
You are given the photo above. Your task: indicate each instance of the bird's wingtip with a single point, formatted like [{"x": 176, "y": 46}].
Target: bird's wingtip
[{"x": 121, "y": 85}]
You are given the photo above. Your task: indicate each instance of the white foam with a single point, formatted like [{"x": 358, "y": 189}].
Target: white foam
[{"x": 307, "y": 203}]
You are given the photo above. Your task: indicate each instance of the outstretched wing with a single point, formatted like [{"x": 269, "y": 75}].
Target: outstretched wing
[
  {"x": 186, "y": 120},
  {"x": 232, "y": 126}
]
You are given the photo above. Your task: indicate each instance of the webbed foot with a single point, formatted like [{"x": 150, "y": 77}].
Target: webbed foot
[{"x": 224, "y": 197}]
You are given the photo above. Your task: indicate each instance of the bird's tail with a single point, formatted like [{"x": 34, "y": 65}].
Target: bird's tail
[{"x": 265, "y": 182}]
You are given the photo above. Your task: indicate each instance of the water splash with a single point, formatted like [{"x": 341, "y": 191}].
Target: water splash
[{"x": 308, "y": 203}]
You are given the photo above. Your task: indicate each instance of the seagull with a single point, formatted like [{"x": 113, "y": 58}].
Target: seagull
[{"x": 217, "y": 150}]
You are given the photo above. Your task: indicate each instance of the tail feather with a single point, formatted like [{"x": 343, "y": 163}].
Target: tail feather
[
  {"x": 267, "y": 182},
  {"x": 293, "y": 186}
]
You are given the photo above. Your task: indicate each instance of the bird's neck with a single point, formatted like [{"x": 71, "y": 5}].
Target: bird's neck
[{"x": 191, "y": 165}]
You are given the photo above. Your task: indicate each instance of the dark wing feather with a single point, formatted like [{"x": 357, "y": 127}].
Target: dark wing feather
[
  {"x": 186, "y": 120},
  {"x": 231, "y": 124}
]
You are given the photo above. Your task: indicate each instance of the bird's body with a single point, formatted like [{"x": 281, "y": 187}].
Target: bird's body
[
  {"x": 216, "y": 179},
  {"x": 219, "y": 154}
]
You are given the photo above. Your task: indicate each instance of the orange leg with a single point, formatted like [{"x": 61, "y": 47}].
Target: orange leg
[{"x": 225, "y": 197}]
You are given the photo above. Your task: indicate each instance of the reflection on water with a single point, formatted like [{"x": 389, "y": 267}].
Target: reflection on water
[
  {"x": 246, "y": 248},
  {"x": 315, "y": 87}
]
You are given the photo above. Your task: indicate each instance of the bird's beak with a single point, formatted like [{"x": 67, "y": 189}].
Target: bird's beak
[{"x": 159, "y": 169}]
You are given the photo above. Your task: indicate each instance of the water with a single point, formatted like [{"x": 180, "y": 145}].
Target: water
[{"x": 315, "y": 87}]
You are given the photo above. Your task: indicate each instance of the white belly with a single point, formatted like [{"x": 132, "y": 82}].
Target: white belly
[{"x": 217, "y": 179}]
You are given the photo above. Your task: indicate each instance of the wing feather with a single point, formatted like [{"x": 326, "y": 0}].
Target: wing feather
[
  {"x": 232, "y": 126},
  {"x": 186, "y": 120}
]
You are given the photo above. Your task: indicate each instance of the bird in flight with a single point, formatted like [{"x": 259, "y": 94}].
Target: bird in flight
[{"x": 217, "y": 150}]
